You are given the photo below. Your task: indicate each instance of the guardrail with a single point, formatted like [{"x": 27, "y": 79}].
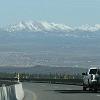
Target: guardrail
[{"x": 12, "y": 92}]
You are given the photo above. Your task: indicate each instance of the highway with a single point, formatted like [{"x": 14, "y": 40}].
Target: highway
[{"x": 46, "y": 91}]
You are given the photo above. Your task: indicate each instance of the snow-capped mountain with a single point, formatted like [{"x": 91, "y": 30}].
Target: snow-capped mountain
[
  {"x": 37, "y": 27},
  {"x": 42, "y": 43},
  {"x": 43, "y": 26},
  {"x": 89, "y": 28}
]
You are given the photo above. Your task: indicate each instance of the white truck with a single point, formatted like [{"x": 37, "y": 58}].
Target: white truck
[{"x": 91, "y": 79}]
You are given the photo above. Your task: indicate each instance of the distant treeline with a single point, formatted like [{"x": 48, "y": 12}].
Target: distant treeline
[{"x": 50, "y": 78}]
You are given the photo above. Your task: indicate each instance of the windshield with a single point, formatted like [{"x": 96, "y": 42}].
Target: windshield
[
  {"x": 93, "y": 71},
  {"x": 98, "y": 72}
]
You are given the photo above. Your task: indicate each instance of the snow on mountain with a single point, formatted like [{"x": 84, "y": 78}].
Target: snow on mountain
[
  {"x": 89, "y": 28},
  {"x": 37, "y": 27},
  {"x": 43, "y": 26}
]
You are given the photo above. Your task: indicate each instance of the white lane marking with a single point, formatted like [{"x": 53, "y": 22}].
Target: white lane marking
[
  {"x": 98, "y": 95},
  {"x": 42, "y": 85}
]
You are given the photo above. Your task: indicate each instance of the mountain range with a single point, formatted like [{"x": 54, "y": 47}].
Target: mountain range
[
  {"x": 43, "y": 26},
  {"x": 45, "y": 70},
  {"x": 31, "y": 43}
]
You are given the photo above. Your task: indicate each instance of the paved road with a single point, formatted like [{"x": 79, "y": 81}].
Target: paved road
[{"x": 45, "y": 91}]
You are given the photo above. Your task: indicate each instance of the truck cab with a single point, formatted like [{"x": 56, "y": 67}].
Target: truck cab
[{"x": 91, "y": 79}]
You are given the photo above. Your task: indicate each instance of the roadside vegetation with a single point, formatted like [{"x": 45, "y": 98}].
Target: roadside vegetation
[{"x": 56, "y": 78}]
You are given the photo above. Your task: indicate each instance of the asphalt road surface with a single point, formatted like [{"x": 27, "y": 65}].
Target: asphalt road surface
[{"x": 45, "y": 91}]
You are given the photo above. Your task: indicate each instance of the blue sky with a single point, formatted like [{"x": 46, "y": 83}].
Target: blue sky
[{"x": 70, "y": 12}]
